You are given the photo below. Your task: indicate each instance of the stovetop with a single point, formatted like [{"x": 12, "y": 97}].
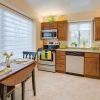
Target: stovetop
[
  {"x": 40, "y": 49},
  {"x": 49, "y": 47}
]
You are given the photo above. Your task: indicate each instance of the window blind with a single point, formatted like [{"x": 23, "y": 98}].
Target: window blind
[{"x": 16, "y": 33}]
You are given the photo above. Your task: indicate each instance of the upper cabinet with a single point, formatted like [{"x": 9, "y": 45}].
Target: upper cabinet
[
  {"x": 97, "y": 29},
  {"x": 61, "y": 26},
  {"x": 62, "y": 30},
  {"x": 50, "y": 25},
  {"x": 44, "y": 26}
]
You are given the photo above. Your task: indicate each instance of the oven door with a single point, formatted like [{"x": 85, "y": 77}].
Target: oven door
[
  {"x": 46, "y": 61},
  {"x": 48, "y": 56}
]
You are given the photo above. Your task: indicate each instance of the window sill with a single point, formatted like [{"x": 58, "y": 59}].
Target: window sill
[{"x": 78, "y": 48}]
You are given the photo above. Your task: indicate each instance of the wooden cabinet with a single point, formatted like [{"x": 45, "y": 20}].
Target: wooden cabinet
[
  {"x": 97, "y": 29},
  {"x": 91, "y": 65},
  {"x": 44, "y": 26},
  {"x": 62, "y": 30},
  {"x": 50, "y": 25},
  {"x": 53, "y": 25},
  {"x": 61, "y": 61},
  {"x": 61, "y": 26}
]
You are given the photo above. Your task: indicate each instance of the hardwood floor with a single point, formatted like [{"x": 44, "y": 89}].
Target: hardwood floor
[{"x": 57, "y": 86}]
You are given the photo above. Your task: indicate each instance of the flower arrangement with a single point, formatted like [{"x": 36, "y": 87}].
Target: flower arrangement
[{"x": 7, "y": 56}]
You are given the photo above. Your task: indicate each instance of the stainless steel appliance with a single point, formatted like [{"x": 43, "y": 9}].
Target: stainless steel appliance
[
  {"x": 49, "y": 34},
  {"x": 47, "y": 64},
  {"x": 75, "y": 62}
]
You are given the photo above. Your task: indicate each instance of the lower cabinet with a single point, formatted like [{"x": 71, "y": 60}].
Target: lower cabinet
[
  {"x": 91, "y": 65},
  {"x": 61, "y": 61}
]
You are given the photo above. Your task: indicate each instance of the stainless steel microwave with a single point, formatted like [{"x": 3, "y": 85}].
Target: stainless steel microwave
[{"x": 49, "y": 34}]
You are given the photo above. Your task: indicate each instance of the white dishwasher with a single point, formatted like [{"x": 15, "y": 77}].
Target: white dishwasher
[{"x": 75, "y": 62}]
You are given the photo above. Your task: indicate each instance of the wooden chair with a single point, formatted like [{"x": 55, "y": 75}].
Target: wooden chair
[
  {"x": 29, "y": 55},
  {"x": 10, "y": 92}
]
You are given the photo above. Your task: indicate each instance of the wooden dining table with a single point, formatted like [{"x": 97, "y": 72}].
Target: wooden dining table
[{"x": 19, "y": 73}]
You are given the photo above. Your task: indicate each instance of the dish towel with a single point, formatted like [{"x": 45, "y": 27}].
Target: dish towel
[
  {"x": 43, "y": 55},
  {"x": 49, "y": 55},
  {"x": 5, "y": 71}
]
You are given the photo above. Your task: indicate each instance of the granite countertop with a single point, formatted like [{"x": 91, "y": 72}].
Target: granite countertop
[{"x": 80, "y": 50}]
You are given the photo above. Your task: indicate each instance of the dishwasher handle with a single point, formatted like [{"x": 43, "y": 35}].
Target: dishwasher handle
[{"x": 74, "y": 53}]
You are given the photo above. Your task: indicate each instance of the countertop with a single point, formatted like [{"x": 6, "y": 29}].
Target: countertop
[{"x": 80, "y": 50}]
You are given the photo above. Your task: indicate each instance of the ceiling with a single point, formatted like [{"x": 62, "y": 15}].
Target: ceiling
[{"x": 62, "y": 7}]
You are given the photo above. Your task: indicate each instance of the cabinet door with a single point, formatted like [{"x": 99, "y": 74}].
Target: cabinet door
[
  {"x": 53, "y": 25},
  {"x": 97, "y": 29},
  {"x": 62, "y": 30},
  {"x": 49, "y": 25},
  {"x": 60, "y": 61},
  {"x": 92, "y": 66},
  {"x": 44, "y": 26}
]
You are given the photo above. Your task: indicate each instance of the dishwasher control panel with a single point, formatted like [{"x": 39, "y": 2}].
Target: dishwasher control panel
[{"x": 75, "y": 53}]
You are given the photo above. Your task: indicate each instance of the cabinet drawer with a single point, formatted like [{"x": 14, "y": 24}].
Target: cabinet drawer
[
  {"x": 91, "y": 55},
  {"x": 60, "y": 53},
  {"x": 91, "y": 60},
  {"x": 58, "y": 57}
]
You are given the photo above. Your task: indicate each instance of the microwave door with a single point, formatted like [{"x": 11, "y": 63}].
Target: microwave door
[{"x": 46, "y": 35}]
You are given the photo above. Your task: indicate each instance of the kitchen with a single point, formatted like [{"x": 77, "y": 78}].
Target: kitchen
[
  {"x": 66, "y": 38},
  {"x": 81, "y": 60}
]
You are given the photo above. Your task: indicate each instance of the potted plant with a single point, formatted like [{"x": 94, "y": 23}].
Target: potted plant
[
  {"x": 74, "y": 44},
  {"x": 7, "y": 58}
]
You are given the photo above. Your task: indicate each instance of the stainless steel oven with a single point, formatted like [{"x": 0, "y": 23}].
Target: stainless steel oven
[
  {"x": 46, "y": 64},
  {"x": 48, "y": 34}
]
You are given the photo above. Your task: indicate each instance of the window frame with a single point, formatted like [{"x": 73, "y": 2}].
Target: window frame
[{"x": 91, "y": 33}]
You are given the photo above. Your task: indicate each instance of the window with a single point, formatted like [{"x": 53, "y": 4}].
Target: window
[
  {"x": 16, "y": 33},
  {"x": 80, "y": 34}
]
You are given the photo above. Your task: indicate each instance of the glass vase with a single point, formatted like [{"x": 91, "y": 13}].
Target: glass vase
[{"x": 7, "y": 63}]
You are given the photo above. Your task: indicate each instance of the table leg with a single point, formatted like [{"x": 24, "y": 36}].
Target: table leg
[
  {"x": 4, "y": 92},
  {"x": 33, "y": 82},
  {"x": 13, "y": 95},
  {"x": 23, "y": 90}
]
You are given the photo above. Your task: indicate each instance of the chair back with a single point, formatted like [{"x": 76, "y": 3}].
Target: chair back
[{"x": 29, "y": 55}]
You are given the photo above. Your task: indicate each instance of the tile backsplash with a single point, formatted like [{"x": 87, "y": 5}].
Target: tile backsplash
[
  {"x": 54, "y": 41},
  {"x": 96, "y": 44}
]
